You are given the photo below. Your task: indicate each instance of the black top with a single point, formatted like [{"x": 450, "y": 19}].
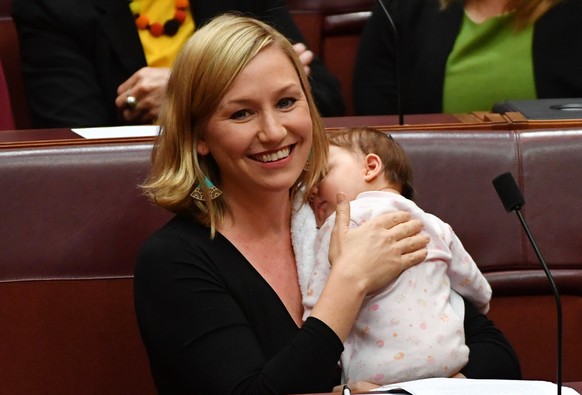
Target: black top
[
  {"x": 75, "y": 53},
  {"x": 427, "y": 36},
  {"x": 212, "y": 325}
]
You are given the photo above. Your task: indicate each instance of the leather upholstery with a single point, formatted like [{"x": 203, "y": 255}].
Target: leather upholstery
[
  {"x": 6, "y": 116},
  {"x": 10, "y": 57},
  {"x": 72, "y": 220}
]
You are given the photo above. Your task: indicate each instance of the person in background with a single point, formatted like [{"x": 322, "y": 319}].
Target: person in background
[
  {"x": 462, "y": 56},
  {"x": 216, "y": 290},
  {"x": 413, "y": 327},
  {"x": 105, "y": 63}
]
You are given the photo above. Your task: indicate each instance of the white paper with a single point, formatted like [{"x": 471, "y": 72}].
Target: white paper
[
  {"x": 118, "y": 132},
  {"x": 446, "y": 386}
]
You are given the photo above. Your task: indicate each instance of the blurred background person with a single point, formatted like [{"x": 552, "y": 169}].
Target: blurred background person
[
  {"x": 462, "y": 56},
  {"x": 106, "y": 63}
]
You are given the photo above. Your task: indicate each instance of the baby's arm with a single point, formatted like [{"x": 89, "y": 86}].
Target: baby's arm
[{"x": 465, "y": 276}]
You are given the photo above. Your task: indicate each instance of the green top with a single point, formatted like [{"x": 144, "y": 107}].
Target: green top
[{"x": 490, "y": 62}]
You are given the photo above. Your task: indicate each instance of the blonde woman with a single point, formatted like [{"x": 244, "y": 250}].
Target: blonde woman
[
  {"x": 462, "y": 56},
  {"x": 216, "y": 289}
]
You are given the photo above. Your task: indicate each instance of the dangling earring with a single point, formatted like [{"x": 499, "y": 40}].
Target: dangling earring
[
  {"x": 308, "y": 163},
  {"x": 213, "y": 191}
]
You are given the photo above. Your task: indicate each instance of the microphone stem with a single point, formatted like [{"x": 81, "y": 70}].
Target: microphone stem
[
  {"x": 556, "y": 296},
  {"x": 397, "y": 63}
]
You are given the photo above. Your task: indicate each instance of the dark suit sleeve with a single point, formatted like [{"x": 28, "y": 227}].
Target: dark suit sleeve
[
  {"x": 491, "y": 356},
  {"x": 59, "y": 74},
  {"x": 325, "y": 86}
]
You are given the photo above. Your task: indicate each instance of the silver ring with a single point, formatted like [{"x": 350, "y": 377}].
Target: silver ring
[{"x": 130, "y": 102}]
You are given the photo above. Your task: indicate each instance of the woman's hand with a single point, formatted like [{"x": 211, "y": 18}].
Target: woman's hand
[
  {"x": 377, "y": 251},
  {"x": 305, "y": 55},
  {"x": 147, "y": 86}
]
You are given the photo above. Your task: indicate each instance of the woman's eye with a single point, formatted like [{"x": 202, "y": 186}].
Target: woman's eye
[
  {"x": 286, "y": 102},
  {"x": 241, "y": 114}
]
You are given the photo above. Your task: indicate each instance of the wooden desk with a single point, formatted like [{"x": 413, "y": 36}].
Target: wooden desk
[
  {"x": 473, "y": 121},
  {"x": 53, "y": 137}
]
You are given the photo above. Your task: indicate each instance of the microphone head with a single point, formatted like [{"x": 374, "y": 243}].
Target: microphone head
[{"x": 508, "y": 192}]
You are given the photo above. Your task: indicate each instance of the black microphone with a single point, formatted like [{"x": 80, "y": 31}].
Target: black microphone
[
  {"x": 513, "y": 200},
  {"x": 397, "y": 60}
]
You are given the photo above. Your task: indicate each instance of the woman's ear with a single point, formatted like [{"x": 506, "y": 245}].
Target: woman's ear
[
  {"x": 373, "y": 166},
  {"x": 202, "y": 148}
]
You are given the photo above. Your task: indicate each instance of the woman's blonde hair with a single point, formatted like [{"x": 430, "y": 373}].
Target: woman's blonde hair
[
  {"x": 527, "y": 12},
  {"x": 201, "y": 75}
]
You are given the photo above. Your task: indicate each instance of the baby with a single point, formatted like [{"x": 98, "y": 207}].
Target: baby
[{"x": 413, "y": 327}]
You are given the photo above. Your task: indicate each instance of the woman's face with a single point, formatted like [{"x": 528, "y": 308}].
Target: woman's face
[{"x": 260, "y": 134}]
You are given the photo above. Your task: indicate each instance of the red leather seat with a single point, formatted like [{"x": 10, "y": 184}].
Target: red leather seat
[
  {"x": 10, "y": 58},
  {"x": 6, "y": 116}
]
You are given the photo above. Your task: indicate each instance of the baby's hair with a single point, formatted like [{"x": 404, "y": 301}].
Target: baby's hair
[{"x": 366, "y": 140}]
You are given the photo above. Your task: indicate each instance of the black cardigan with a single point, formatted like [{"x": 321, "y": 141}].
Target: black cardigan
[
  {"x": 212, "y": 325},
  {"x": 427, "y": 35}
]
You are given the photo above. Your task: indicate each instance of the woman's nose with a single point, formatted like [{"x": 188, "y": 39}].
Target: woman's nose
[{"x": 272, "y": 129}]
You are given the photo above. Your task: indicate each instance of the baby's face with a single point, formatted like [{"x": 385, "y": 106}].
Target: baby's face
[{"x": 345, "y": 173}]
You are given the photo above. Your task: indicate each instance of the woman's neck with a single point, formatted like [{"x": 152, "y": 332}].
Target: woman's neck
[
  {"x": 258, "y": 215},
  {"x": 481, "y": 10}
]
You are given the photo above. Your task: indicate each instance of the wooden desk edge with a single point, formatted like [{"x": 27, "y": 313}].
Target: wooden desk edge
[{"x": 476, "y": 121}]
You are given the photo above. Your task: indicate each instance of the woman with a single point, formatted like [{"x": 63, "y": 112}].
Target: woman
[
  {"x": 462, "y": 56},
  {"x": 216, "y": 289},
  {"x": 86, "y": 63}
]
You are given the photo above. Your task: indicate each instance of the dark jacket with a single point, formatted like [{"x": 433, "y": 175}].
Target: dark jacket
[
  {"x": 75, "y": 53},
  {"x": 426, "y": 37}
]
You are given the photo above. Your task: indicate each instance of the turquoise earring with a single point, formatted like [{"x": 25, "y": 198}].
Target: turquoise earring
[{"x": 213, "y": 191}]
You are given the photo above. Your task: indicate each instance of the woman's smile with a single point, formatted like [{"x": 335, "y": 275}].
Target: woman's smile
[{"x": 273, "y": 156}]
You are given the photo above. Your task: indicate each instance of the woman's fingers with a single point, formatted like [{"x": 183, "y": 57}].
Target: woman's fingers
[
  {"x": 147, "y": 86},
  {"x": 417, "y": 252},
  {"x": 342, "y": 212},
  {"x": 341, "y": 226},
  {"x": 408, "y": 237}
]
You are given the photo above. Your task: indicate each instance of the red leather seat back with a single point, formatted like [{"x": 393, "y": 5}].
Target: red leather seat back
[{"x": 6, "y": 117}]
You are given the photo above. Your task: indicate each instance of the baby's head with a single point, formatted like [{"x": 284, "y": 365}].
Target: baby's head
[{"x": 360, "y": 159}]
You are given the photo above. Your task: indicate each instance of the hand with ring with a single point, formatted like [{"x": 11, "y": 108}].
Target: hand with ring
[
  {"x": 130, "y": 101},
  {"x": 139, "y": 98}
]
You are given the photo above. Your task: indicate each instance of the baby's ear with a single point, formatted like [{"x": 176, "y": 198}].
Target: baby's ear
[{"x": 373, "y": 166}]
